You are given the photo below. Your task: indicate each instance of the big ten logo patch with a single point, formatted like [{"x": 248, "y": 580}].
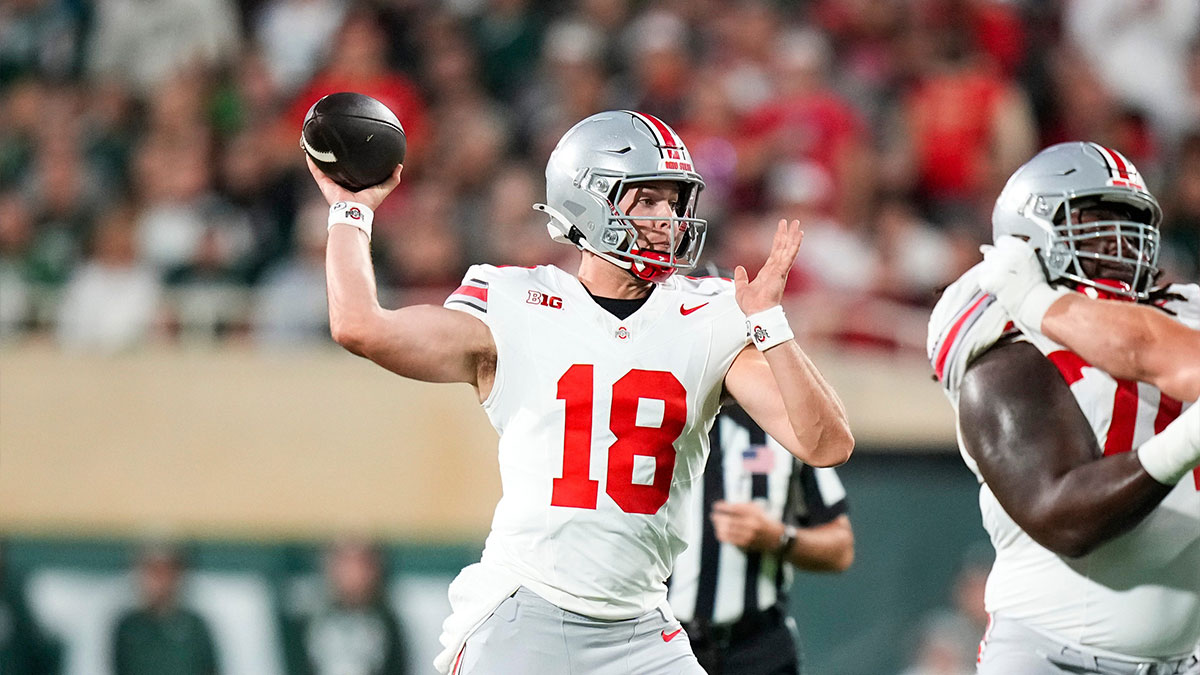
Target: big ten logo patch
[{"x": 540, "y": 298}]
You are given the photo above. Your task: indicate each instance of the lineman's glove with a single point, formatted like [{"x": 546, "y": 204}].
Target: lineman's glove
[{"x": 1012, "y": 272}]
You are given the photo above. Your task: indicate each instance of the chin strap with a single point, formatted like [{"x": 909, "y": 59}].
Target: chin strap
[
  {"x": 1099, "y": 293},
  {"x": 648, "y": 271}
]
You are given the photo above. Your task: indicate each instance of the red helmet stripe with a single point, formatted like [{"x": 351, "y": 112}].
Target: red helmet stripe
[
  {"x": 1122, "y": 167},
  {"x": 1113, "y": 160},
  {"x": 664, "y": 132},
  {"x": 1121, "y": 171}
]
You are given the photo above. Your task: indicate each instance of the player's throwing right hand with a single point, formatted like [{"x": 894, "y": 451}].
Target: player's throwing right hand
[{"x": 334, "y": 193}]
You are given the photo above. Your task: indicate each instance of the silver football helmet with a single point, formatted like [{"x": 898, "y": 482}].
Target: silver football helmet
[
  {"x": 592, "y": 166},
  {"x": 1041, "y": 200}
]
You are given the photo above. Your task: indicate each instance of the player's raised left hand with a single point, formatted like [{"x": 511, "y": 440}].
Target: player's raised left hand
[
  {"x": 1010, "y": 268},
  {"x": 766, "y": 290},
  {"x": 746, "y": 525},
  {"x": 1012, "y": 273}
]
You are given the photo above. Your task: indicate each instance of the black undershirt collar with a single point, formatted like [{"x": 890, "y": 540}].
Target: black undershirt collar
[{"x": 619, "y": 307}]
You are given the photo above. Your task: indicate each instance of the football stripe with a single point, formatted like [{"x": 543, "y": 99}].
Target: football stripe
[{"x": 317, "y": 154}]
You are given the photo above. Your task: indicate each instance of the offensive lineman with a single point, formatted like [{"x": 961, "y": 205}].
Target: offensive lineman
[
  {"x": 1129, "y": 341},
  {"x": 1085, "y": 485},
  {"x": 602, "y": 386}
]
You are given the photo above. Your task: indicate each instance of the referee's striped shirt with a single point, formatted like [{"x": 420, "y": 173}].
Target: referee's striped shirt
[{"x": 717, "y": 582}]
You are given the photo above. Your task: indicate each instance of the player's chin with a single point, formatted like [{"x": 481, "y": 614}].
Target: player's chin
[
  {"x": 1110, "y": 272},
  {"x": 647, "y": 247},
  {"x": 1121, "y": 275}
]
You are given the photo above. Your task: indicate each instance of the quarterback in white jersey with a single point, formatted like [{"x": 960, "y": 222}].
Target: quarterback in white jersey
[
  {"x": 593, "y": 532},
  {"x": 1097, "y": 558},
  {"x": 602, "y": 385}
]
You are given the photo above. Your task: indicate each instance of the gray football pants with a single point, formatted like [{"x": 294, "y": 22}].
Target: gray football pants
[
  {"x": 1010, "y": 648},
  {"x": 527, "y": 635}
]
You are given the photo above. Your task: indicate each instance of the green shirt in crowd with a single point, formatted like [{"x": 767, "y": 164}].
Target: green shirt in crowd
[{"x": 176, "y": 643}]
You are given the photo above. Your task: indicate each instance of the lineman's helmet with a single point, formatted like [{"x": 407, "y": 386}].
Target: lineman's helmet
[{"x": 1042, "y": 199}]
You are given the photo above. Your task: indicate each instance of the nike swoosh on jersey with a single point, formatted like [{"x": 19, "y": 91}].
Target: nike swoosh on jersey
[
  {"x": 688, "y": 310},
  {"x": 667, "y": 637}
]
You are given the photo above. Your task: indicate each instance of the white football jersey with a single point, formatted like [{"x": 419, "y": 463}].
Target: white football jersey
[
  {"x": 1135, "y": 595},
  {"x": 603, "y": 427}
]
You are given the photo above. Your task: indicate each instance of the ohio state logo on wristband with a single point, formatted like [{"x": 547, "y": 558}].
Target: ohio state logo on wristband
[
  {"x": 352, "y": 214},
  {"x": 768, "y": 328}
]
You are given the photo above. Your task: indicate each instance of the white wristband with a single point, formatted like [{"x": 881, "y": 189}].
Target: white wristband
[
  {"x": 1034, "y": 306},
  {"x": 1168, "y": 456},
  {"x": 352, "y": 214},
  {"x": 768, "y": 328}
]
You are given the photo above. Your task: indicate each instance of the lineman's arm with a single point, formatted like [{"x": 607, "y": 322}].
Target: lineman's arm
[
  {"x": 780, "y": 388},
  {"x": 423, "y": 342},
  {"x": 1128, "y": 341},
  {"x": 1039, "y": 456}
]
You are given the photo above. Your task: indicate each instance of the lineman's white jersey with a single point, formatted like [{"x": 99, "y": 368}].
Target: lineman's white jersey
[
  {"x": 1136, "y": 595},
  {"x": 603, "y": 427}
]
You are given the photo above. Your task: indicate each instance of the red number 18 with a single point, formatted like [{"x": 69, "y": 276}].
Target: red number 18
[{"x": 576, "y": 489}]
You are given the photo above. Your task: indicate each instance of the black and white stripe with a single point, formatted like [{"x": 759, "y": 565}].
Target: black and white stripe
[
  {"x": 472, "y": 296},
  {"x": 1121, "y": 171},
  {"x": 719, "y": 583}
]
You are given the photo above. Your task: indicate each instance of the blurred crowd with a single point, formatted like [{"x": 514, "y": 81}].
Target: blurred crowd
[
  {"x": 152, "y": 187},
  {"x": 334, "y": 608},
  {"x": 162, "y": 616}
]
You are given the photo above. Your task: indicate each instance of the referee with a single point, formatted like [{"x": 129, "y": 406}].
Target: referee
[{"x": 759, "y": 507}]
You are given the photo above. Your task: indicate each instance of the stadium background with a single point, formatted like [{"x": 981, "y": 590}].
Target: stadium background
[{"x": 165, "y": 367}]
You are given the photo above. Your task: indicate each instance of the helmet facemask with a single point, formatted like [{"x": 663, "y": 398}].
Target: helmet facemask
[
  {"x": 685, "y": 233},
  {"x": 1086, "y": 210},
  {"x": 1127, "y": 267}
]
